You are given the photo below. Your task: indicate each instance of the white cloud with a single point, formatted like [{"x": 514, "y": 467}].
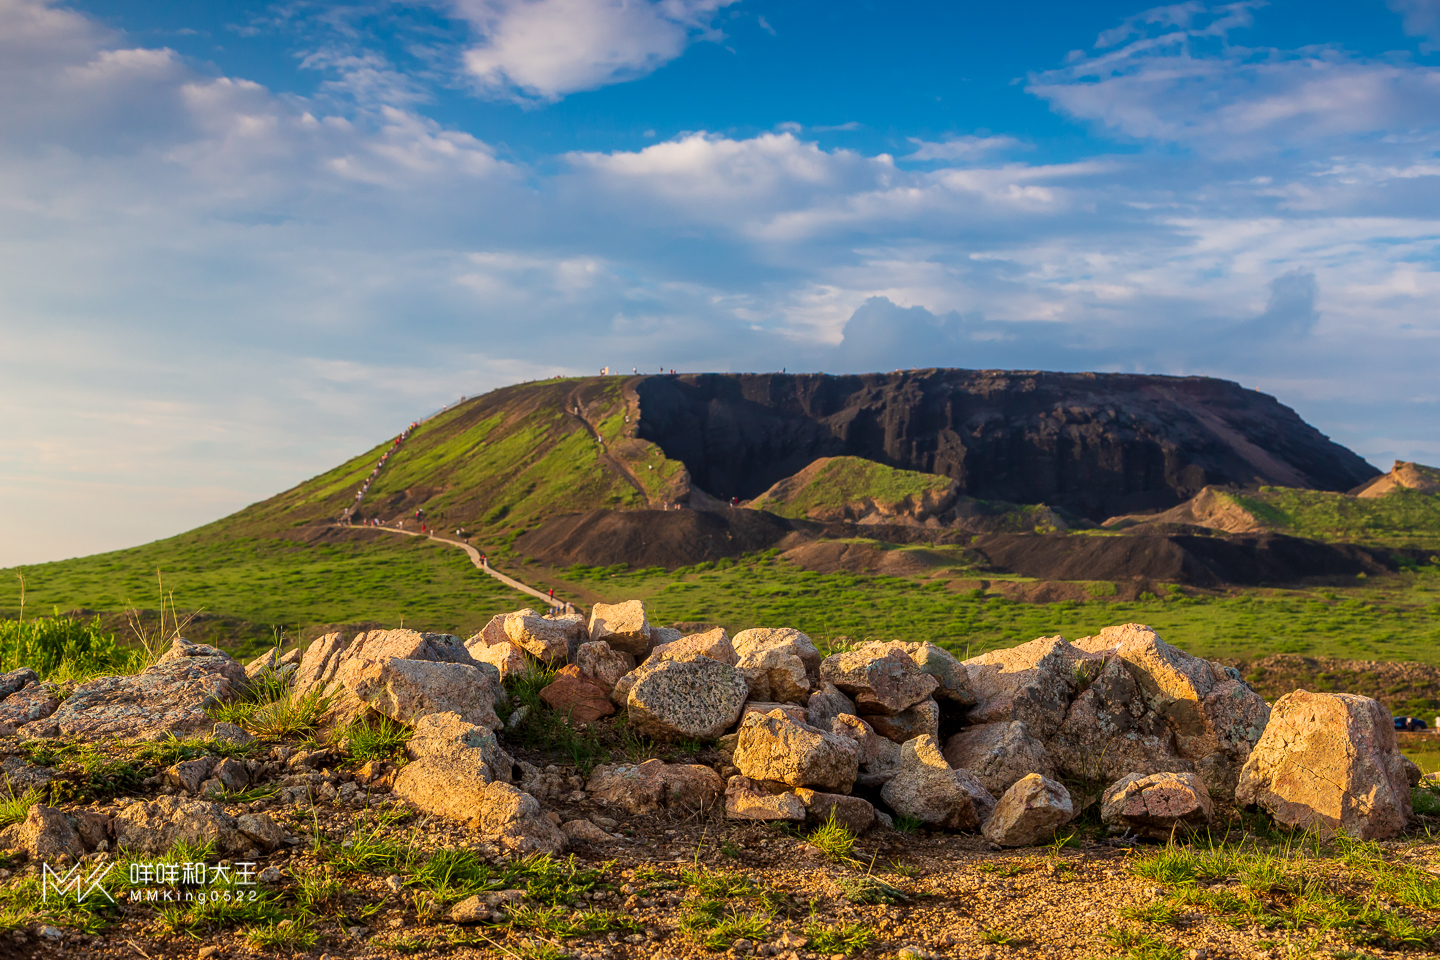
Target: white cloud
[
  {"x": 545, "y": 49},
  {"x": 959, "y": 148},
  {"x": 1421, "y": 18}
]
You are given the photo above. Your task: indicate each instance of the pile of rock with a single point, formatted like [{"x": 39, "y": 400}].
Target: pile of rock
[{"x": 1012, "y": 743}]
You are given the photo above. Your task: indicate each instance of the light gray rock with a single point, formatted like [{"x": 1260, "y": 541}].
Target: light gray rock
[
  {"x": 998, "y": 754},
  {"x": 550, "y": 639},
  {"x": 714, "y": 644},
  {"x": 884, "y": 684},
  {"x": 655, "y": 785},
  {"x": 1033, "y": 682},
  {"x": 827, "y": 703},
  {"x": 44, "y": 836},
  {"x": 622, "y": 625},
  {"x": 492, "y": 645},
  {"x": 469, "y": 746},
  {"x": 188, "y": 775},
  {"x": 1330, "y": 761},
  {"x": 265, "y": 833},
  {"x": 232, "y": 774},
  {"x": 35, "y": 701},
  {"x": 323, "y": 660},
  {"x": 406, "y": 690},
  {"x": 1029, "y": 812},
  {"x": 585, "y": 832},
  {"x": 690, "y": 699},
  {"x": 499, "y": 812},
  {"x": 775, "y": 747},
  {"x": 927, "y": 789},
  {"x": 747, "y": 799},
  {"x": 783, "y": 639},
  {"x": 662, "y": 635},
  {"x": 227, "y": 732},
  {"x": 1160, "y": 805},
  {"x": 603, "y": 665},
  {"x": 879, "y": 756},
  {"x": 774, "y": 674},
  {"x": 933, "y": 661}
]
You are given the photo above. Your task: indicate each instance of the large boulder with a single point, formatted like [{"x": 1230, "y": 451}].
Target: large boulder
[
  {"x": 173, "y": 696},
  {"x": 1330, "y": 761},
  {"x": 492, "y": 645},
  {"x": 774, "y": 674},
  {"x": 550, "y": 639},
  {"x": 948, "y": 671},
  {"x": 998, "y": 754},
  {"x": 783, "y": 639},
  {"x": 714, "y": 643},
  {"x": 1159, "y": 806},
  {"x": 775, "y": 747},
  {"x": 451, "y": 738},
  {"x": 622, "y": 625},
  {"x": 686, "y": 699},
  {"x": 885, "y": 682},
  {"x": 1029, "y": 812},
  {"x": 929, "y": 790},
  {"x": 577, "y": 698},
  {"x": 747, "y": 799},
  {"x": 405, "y": 689},
  {"x": 654, "y": 784},
  {"x": 602, "y": 664},
  {"x": 1032, "y": 682},
  {"x": 327, "y": 656}
]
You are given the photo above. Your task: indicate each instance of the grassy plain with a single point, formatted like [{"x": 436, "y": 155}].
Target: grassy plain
[{"x": 843, "y": 481}]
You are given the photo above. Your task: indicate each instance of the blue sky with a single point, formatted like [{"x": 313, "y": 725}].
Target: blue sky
[{"x": 243, "y": 241}]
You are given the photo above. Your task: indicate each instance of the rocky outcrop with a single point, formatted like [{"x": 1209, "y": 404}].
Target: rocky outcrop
[
  {"x": 1327, "y": 762},
  {"x": 35, "y": 701},
  {"x": 1032, "y": 682},
  {"x": 156, "y": 826}
]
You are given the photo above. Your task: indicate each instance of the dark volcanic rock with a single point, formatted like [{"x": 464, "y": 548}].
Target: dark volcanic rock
[
  {"x": 654, "y": 538},
  {"x": 1097, "y": 444}
]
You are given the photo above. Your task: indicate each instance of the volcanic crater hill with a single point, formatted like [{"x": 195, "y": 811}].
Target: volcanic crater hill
[{"x": 1097, "y": 444}]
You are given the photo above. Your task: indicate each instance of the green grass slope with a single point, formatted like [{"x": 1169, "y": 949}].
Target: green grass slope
[
  {"x": 1401, "y": 518},
  {"x": 832, "y": 487}
]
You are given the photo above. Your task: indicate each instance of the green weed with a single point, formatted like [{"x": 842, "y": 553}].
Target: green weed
[
  {"x": 833, "y": 839},
  {"x": 376, "y": 738},
  {"x": 846, "y": 938}
]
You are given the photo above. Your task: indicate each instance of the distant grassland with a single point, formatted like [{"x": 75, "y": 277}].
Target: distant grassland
[
  {"x": 1401, "y": 518},
  {"x": 394, "y": 580},
  {"x": 384, "y": 577}
]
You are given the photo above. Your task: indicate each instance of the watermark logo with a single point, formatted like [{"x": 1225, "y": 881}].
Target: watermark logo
[{"x": 75, "y": 882}]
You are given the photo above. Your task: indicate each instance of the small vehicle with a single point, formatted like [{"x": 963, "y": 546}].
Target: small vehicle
[{"x": 1409, "y": 723}]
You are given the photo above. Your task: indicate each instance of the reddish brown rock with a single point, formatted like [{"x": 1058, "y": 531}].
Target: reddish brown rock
[
  {"x": 654, "y": 784},
  {"x": 577, "y": 698},
  {"x": 1160, "y": 806},
  {"x": 885, "y": 684}
]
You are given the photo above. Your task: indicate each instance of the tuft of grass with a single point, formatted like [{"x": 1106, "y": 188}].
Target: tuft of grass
[
  {"x": 998, "y": 936},
  {"x": 64, "y": 649},
  {"x": 15, "y": 809},
  {"x": 714, "y": 927},
  {"x": 283, "y": 935},
  {"x": 846, "y": 938},
  {"x": 718, "y": 884},
  {"x": 833, "y": 839},
  {"x": 376, "y": 738},
  {"x": 908, "y": 825},
  {"x": 871, "y": 890}
]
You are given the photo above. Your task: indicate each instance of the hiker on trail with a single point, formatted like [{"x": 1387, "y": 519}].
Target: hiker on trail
[
  {"x": 734, "y": 501},
  {"x": 552, "y": 596}
]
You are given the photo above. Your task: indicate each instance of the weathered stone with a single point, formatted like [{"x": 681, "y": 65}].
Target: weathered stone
[
  {"x": 586, "y": 832},
  {"x": 326, "y": 657},
  {"x": 622, "y": 625},
  {"x": 1029, "y": 812},
  {"x": 599, "y": 663},
  {"x": 188, "y": 775},
  {"x": 405, "y": 690},
  {"x": 852, "y": 813},
  {"x": 1159, "y": 806},
  {"x": 467, "y": 746},
  {"x": 261, "y": 830},
  {"x": 157, "y": 825},
  {"x": 827, "y": 703},
  {"x": 547, "y": 784},
  {"x": 16, "y": 680},
  {"x": 774, "y": 674},
  {"x": 792, "y": 710},
  {"x": 884, "y": 684},
  {"x": 274, "y": 663},
  {"x": 879, "y": 756},
  {"x": 227, "y": 732},
  {"x": 714, "y": 644},
  {"x": 514, "y": 820},
  {"x": 654, "y": 784},
  {"x": 775, "y": 747},
  {"x": 232, "y": 774},
  {"x": 919, "y": 720},
  {"x": 574, "y": 697},
  {"x": 93, "y": 828},
  {"x": 172, "y": 696},
  {"x": 493, "y": 646},
  {"x": 20, "y": 776},
  {"x": 550, "y": 639},
  {"x": 691, "y": 699},
  {"x": 1330, "y": 761},
  {"x": 783, "y": 639},
  {"x": 998, "y": 754},
  {"x": 485, "y": 906},
  {"x": 948, "y": 671},
  {"x": 211, "y": 789},
  {"x": 45, "y": 836},
  {"x": 1110, "y": 731},
  {"x": 927, "y": 789},
  {"x": 33, "y": 702},
  {"x": 745, "y": 799},
  {"x": 620, "y": 693},
  {"x": 662, "y": 635},
  {"x": 1237, "y": 717},
  {"x": 1032, "y": 682}
]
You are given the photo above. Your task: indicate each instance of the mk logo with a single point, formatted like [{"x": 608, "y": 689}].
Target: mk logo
[{"x": 72, "y": 882}]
